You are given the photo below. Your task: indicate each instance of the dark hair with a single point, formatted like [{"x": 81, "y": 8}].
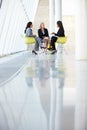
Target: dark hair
[
  {"x": 28, "y": 26},
  {"x": 60, "y": 25}
]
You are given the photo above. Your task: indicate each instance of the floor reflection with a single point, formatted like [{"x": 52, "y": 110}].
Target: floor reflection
[
  {"x": 49, "y": 77},
  {"x": 40, "y": 97},
  {"x": 81, "y": 96}
]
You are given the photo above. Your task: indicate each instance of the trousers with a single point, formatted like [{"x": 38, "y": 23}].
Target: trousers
[
  {"x": 52, "y": 43},
  {"x": 38, "y": 43}
]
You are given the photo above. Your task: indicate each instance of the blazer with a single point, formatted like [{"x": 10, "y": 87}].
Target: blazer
[
  {"x": 60, "y": 33},
  {"x": 41, "y": 34}
]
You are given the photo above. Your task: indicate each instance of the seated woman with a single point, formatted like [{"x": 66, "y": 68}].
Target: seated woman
[
  {"x": 60, "y": 33},
  {"x": 29, "y": 33},
  {"x": 43, "y": 34}
]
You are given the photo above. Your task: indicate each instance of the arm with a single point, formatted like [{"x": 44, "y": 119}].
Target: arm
[
  {"x": 29, "y": 33},
  {"x": 60, "y": 33},
  {"x": 40, "y": 34},
  {"x": 47, "y": 33}
]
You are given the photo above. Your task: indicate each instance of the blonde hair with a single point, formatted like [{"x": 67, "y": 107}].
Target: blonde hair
[{"x": 42, "y": 24}]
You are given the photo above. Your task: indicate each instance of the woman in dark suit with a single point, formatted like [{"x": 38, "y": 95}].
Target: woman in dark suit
[
  {"x": 43, "y": 34},
  {"x": 60, "y": 33}
]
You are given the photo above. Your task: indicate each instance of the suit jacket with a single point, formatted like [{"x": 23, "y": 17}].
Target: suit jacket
[
  {"x": 41, "y": 34},
  {"x": 60, "y": 33}
]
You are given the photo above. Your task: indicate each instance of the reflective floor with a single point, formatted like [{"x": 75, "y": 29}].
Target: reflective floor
[
  {"x": 50, "y": 93},
  {"x": 11, "y": 65}
]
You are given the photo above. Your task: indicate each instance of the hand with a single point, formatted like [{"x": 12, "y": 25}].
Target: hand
[
  {"x": 34, "y": 35},
  {"x": 53, "y": 33},
  {"x": 46, "y": 38}
]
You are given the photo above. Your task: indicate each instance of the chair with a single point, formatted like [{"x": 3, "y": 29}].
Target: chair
[
  {"x": 28, "y": 40},
  {"x": 31, "y": 40},
  {"x": 61, "y": 41}
]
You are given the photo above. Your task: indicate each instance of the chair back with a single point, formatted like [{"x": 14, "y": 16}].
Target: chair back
[
  {"x": 62, "y": 40},
  {"x": 28, "y": 40}
]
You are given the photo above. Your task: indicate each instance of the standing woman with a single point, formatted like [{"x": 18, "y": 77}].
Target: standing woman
[
  {"x": 43, "y": 34},
  {"x": 29, "y": 33},
  {"x": 60, "y": 33}
]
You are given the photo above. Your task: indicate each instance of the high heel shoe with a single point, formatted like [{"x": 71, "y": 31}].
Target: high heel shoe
[
  {"x": 34, "y": 52},
  {"x": 54, "y": 51},
  {"x": 43, "y": 47}
]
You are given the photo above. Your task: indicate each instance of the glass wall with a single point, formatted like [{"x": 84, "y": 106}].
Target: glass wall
[{"x": 14, "y": 14}]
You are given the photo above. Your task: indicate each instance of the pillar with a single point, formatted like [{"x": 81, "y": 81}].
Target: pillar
[
  {"x": 59, "y": 91},
  {"x": 81, "y": 96},
  {"x": 51, "y": 15},
  {"x": 58, "y": 10},
  {"x": 52, "y": 102},
  {"x": 81, "y": 30},
  {"x": 58, "y": 16},
  {"x": 55, "y": 13}
]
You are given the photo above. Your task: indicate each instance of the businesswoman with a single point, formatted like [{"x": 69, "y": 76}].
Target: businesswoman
[
  {"x": 43, "y": 34},
  {"x": 29, "y": 33},
  {"x": 60, "y": 33}
]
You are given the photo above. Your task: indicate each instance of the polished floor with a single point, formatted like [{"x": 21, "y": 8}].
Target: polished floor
[
  {"x": 11, "y": 65},
  {"x": 50, "y": 93}
]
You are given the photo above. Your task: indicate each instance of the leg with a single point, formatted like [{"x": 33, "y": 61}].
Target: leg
[
  {"x": 52, "y": 44},
  {"x": 47, "y": 42},
  {"x": 36, "y": 47},
  {"x": 37, "y": 44},
  {"x": 38, "y": 41}
]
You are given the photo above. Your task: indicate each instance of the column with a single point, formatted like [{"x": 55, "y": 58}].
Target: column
[
  {"x": 58, "y": 10},
  {"x": 52, "y": 102},
  {"x": 52, "y": 15},
  {"x": 81, "y": 30},
  {"x": 58, "y": 16},
  {"x": 59, "y": 91},
  {"x": 55, "y": 12},
  {"x": 81, "y": 96}
]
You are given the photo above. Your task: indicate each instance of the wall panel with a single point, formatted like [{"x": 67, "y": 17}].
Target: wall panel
[{"x": 14, "y": 15}]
